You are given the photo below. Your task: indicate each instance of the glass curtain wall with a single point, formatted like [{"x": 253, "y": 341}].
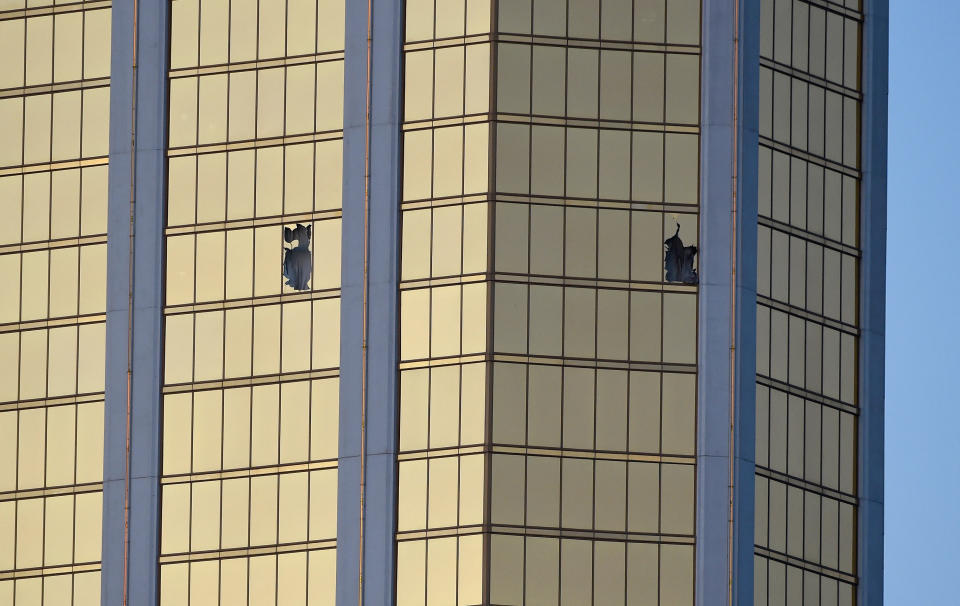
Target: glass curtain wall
[
  {"x": 444, "y": 298},
  {"x": 54, "y": 109},
  {"x": 807, "y": 304},
  {"x": 570, "y": 443},
  {"x": 251, "y": 364}
]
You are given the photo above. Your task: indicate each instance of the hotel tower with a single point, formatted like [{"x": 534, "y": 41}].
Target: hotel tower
[{"x": 442, "y": 302}]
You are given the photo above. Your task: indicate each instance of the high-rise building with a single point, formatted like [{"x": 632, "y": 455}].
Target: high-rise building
[{"x": 442, "y": 302}]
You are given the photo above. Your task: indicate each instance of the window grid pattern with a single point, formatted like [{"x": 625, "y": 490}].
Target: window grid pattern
[
  {"x": 445, "y": 213},
  {"x": 807, "y": 312},
  {"x": 548, "y": 374},
  {"x": 54, "y": 107},
  {"x": 251, "y": 365}
]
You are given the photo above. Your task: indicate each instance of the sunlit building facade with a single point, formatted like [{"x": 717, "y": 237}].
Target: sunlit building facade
[
  {"x": 808, "y": 321},
  {"x": 54, "y": 157},
  {"x": 442, "y": 302}
]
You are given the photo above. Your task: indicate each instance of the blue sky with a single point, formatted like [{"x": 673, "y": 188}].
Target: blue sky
[{"x": 923, "y": 298}]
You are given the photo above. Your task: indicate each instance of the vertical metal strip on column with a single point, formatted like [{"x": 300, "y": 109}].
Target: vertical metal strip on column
[
  {"x": 119, "y": 251},
  {"x": 138, "y": 110},
  {"x": 383, "y": 254},
  {"x": 727, "y": 314},
  {"x": 352, "y": 317},
  {"x": 744, "y": 431},
  {"x": 369, "y": 305},
  {"x": 748, "y": 119},
  {"x": 873, "y": 242}
]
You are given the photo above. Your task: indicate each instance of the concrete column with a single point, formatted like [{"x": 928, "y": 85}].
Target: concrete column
[
  {"x": 133, "y": 476},
  {"x": 746, "y": 310},
  {"x": 873, "y": 243},
  {"x": 728, "y": 151},
  {"x": 376, "y": 549}
]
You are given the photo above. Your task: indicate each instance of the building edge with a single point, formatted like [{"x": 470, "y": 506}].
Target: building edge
[
  {"x": 746, "y": 298},
  {"x": 137, "y": 186},
  {"x": 370, "y": 233},
  {"x": 727, "y": 314},
  {"x": 382, "y": 345},
  {"x": 349, "y": 513},
  {"x": 873, "y": 240}
]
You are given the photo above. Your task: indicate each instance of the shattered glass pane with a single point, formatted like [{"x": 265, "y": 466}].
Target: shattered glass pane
[
  {"x": 297, "y": 262},
  {"x": 678, "y": 260}
]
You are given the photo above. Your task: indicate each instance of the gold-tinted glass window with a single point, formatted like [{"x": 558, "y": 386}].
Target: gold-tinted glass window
[
  {"x": 548, "y": 368},
  {"x": 252, "y": 309},
  {"x": 807, "y": 312},
  {"x": 445, "y": 213},
  {"x": 54, "y": 109}
]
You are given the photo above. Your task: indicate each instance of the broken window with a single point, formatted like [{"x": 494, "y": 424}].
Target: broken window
[
  {"x": 678, "y": 260},
  {"x": 297, "y": 261}
]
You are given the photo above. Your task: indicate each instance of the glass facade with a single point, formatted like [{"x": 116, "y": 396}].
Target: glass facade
[
  {"x": 54, "y": 108},
  {"x": 547, "y": 370},
  {"x": 251, "y": 362},
  {"x": 444, "y": 294},
  {"x": 547, "y": 349},
  {"x": 807, "y": 303}
]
